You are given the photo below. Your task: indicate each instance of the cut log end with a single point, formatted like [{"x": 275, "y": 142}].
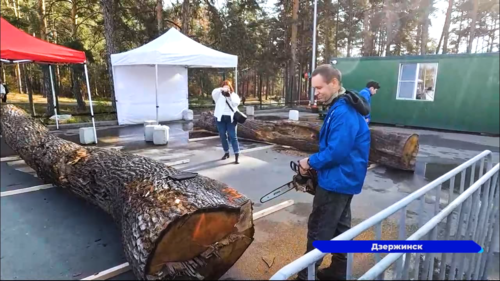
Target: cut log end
[
  {"x": 410, "y": 150},
  {"x": 208, "y": 241}
]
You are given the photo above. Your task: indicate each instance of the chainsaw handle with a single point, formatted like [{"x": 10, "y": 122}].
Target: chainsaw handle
[{"x": 295, "y": 166}]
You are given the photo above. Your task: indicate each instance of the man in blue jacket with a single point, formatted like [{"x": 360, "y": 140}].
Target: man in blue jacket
[
  {"x": 367, "y": 93},
  {"x": 341, "y": 165}
]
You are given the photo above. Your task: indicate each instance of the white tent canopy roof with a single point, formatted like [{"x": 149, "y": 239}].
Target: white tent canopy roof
[{"x": 174, "y": 48}]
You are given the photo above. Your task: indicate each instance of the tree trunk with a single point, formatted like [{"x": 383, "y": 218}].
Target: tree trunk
[
  {"x": 395, "y": 150},
  {"x": 185, "y": 17},
  {"x": 29, "y": 88},
  {"x": 196, "y": 228},
  {"x": 19, "y": 76},
  {"x": 459, "y": 37},
  {"x": 159, "y": 16},
  {"x": 419, "y": 36},
  {"x": 472, "y": 34},
  {"x": 267, "y": 88},
  {"x": 337, "y": 31},
  {"x": 446, "y": 28},
  {"x": 109, "y": 30},
  {"x": 390, "y": 19},
  {"x": 427, "y": 6},
  {"x": 47, "y": 90},
  {"x": 260, "y": 89},
  {"x": 46, "y": 86},
  {"x": 293, "y": 41},
  {"x": 492, "y": 36},
  {"x": 367, "y": 31},
  {"x": 76, "y": 89}
]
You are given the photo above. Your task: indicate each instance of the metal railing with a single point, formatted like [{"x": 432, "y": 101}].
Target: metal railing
[
  {"x": 485, "y": 157},
  {"x": 482, "y": 227}
]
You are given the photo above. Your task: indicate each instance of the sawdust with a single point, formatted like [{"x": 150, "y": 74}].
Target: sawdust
[
  {"x": 285, "y": 242},
  {"x": 290, "y": 151}
]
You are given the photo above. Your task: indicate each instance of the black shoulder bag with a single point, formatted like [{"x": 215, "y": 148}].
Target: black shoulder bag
[{"x": 238, "y": 116}]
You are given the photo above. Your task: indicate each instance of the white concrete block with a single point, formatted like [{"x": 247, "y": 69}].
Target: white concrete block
[
  {"x": 250, "y": 110},
  {"x": 150, "y": 122},
  {"x": 148, "y": 132},
  {"x": 160, "y": 135},
  {"x": 187, "y": 114},
  {"x": 87, "y": 135},
  {"x": 293, "y": 115},
  {"x": 187, "y": 126}
]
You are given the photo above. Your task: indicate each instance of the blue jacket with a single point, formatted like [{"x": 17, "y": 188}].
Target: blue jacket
[
  {"x": 368, "y": 97},
  {"x": 344, "y": 146}
]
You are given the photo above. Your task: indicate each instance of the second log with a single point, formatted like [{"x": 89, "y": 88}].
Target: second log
[{"x": 394, "y": 150}]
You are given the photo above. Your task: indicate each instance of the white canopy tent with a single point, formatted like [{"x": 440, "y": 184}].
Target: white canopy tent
[{"x": 155, "y": 75}]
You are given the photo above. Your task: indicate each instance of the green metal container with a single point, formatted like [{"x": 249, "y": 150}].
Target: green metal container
[{"x": 463, "y": 96}]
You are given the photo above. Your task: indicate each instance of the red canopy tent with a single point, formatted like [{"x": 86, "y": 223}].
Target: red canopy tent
[{"x": 16, "y": 46}]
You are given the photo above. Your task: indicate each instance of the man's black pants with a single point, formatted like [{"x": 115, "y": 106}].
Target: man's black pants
[{"x": 330, "y": 217}]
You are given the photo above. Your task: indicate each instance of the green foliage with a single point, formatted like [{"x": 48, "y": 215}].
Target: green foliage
[{"x": 259, "y": 37}]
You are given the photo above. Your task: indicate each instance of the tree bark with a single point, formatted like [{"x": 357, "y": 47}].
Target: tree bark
[
  {"x": 196, "y": 228},
  {"x": 293, "y": 51},
  {"x": 46, "y": 86},
  {"x": 472, "y": 34},
  {"x": 185, "y": 17},
  {"x": 367, "y": 49},
  {"x": 75, "y": 71},
  {"x": 109, "y": 30},
  {"x": 446, "y": 27},
  {"x": 395, "y": 150},
  {"x": 427, "y": 7},
  {"x": 159, "y": 16}
]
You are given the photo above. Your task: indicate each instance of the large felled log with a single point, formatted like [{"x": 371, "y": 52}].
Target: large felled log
[
  {"x": 396, "y": 150},
  {"x": 192, "y": 229}
]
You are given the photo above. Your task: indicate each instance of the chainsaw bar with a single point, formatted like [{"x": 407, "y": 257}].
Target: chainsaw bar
[{"x": 277, "y": 192}]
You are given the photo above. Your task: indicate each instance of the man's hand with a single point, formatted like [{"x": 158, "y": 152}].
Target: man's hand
[
  {"x": 304, "y": 166},
  {"x": 367, "y": 120}
]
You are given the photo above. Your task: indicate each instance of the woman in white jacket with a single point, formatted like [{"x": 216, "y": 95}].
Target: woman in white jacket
[{"x": 226, "y": 125}]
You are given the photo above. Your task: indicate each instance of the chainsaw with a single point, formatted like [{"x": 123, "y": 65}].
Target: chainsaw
[{"x": 305, "y": 183}]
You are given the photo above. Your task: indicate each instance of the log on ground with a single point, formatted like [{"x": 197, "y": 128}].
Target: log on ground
[
  {"x": 192, "y": 229},
  {"x": 395, "y": 150}
]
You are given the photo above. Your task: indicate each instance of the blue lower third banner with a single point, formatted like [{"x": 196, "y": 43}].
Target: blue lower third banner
[{"x": 398, "y": 246}]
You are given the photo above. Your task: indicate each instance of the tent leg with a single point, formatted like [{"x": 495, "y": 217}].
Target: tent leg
[
  {"x": 90, "y": 100},
  {"x": 236, "y": 79},
  {"x": 156, "y": 92},
  {"x": 53, "y": 95}
]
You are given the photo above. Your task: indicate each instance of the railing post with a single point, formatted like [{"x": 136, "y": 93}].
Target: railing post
[
  {"x": 491, "y": 238},
  {"x": 378, "y": 236},
  {"x": 402, "y": 236},
  {"x": 350, "y": 258}
]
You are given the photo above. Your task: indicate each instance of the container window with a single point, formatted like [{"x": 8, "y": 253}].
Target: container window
[{"x": 417, "y": 81}]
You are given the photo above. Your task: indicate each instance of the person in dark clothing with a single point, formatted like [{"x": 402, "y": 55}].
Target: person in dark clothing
[
  {"x": 370, "y": 90},
  {"x": 341, "y": 165}
]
